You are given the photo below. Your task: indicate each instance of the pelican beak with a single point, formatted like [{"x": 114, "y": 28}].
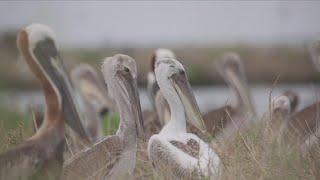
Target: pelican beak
[
  {"x": 184, "y": 91},
  {"x": 234, "y": 79},
  {"x": 47, "y": 56},
  {"x": 130, "y": 84}
]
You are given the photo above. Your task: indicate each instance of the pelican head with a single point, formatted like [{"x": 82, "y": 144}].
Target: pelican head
[
  {"x": 281, "y": 106},
  {"x": 38, "y": 46},
  {"x": 230, "y": 65},
  {"x": 92, "y": 87},
  {"x": 170, "y": 74},
  {"x": 314, "y": 51},
  {"x": 293, "y": 98},
  {"x": 120, "y": 73},
  {"x": 152, "y": 83},
  {"x": 159, "y": 54}
]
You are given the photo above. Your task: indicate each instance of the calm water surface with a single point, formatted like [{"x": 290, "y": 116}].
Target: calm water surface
[{"x": 208, "y": 97}]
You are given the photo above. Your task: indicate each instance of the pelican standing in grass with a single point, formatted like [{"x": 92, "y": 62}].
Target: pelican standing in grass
[
  {"x": 93, "y": 97},
  {"x": 174, "y": 152},
  {"x": 114, "y": 157},
  {"x": 304, "y": 123},
  {"x": 41, "y": 155},
  {"x": 226, "y": 121},
  {"x": 154, "y": 119},
  {"x": 277, "y": 115}
]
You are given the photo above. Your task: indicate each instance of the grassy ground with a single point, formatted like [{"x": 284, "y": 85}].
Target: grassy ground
[
  {"x": 252, "y": 155},
  {"x": 255, "y": 155},
  {"x": 14, "y": 128}
]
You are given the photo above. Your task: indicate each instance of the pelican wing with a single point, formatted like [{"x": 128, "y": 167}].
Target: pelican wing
[
  {"x": 215, "y": 121},
  {"x": 95, "y": 162},
  {"x": 33, "y": 159},
  {"x": 170, "y": 160},
  {"x": 302, "y": 124}
]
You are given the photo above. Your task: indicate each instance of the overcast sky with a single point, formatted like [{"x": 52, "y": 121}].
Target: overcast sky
[{"x": 91, "y": 23}]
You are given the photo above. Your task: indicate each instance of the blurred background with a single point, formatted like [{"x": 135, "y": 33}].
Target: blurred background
[{"x": 271, "y": 37}]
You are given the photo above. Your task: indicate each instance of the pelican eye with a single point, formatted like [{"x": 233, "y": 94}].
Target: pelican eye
[
  {"x": 127, "y": 70},
  {"x": 181, "y": 72}
]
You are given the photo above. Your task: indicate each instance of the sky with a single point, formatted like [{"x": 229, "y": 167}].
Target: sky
[{"x": 141, "y": 22}]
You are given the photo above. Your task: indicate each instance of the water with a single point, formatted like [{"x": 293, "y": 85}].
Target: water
[{"x": 208, "y": 97}]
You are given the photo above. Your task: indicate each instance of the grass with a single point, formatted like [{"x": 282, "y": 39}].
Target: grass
[
  {"x": 255, "y": 155},
  {"x": 252, "y": 155},
  {"x": 13, "y": 128},
  {"x": 110, "y": 124}
]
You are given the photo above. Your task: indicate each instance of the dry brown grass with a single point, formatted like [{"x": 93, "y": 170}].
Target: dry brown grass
[{"x": 254, "y": 154}]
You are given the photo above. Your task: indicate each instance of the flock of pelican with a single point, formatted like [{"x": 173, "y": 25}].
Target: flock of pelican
[{"x": 176, "y": 131}]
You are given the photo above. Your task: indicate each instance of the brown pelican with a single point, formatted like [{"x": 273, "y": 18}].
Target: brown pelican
[
  {"x": 94, "y": 98},
  {"x": 114, "y": 156},
  {"x": 294, "y": 100},
  {"x": 153, "y": 119},
  {"x": 304, "y": 122},
  {"x": 41, "y": 156},
  {"x": 278, "y": 113},
  {"x": 235, "y": 117},
  {"x": 174, "y": 152}
]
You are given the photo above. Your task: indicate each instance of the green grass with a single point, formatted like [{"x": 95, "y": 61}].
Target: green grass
[
  {"x": 13, "y": 128},
  {"x": 110, "y": 123}
]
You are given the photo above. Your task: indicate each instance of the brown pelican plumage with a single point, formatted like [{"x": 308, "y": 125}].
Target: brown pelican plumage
[
  {"x": 93, "y": 97},
  {"x": 114, "y": 156},
  {"x": 41, "y": 156},
  {"x": 305, "y": 122},
  {"x": 175, "y": 153},
  {"x": 232, "y": 118},
  {"x": 153, "y": 118}
]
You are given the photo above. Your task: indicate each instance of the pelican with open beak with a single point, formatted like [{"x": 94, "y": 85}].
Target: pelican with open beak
[
  {"x": 174, "y": 152},
  {"x": 114, "y": 157},
  {"x": 41, "y": 156}
]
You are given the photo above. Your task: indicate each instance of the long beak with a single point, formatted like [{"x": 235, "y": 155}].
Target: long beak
[
  {"x": 132, "y": 90},
  {"x": 184, "y": 91},
  {"x": 47, "y": 55},
  {"x": 242, "y": 89},
  {"x": 70, "y": 112}
]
